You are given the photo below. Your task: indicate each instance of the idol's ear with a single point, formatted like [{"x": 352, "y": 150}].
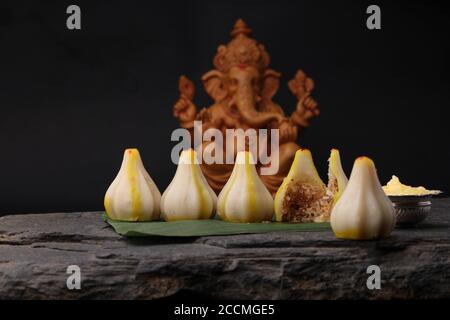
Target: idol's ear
[
  {"x": 213, "y": 82},
  {"x": 270, "y": 84}
]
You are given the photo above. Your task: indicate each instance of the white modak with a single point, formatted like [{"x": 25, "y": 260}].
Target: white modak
[
  {"x": 188, "y": 196},
  {"x": 132, "y": 196},
  {"x": 245, "y": 198},
  {"x": 363, "y": 211}
]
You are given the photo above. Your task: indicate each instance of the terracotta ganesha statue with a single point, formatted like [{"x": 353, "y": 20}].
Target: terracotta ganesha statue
[{"x": 242, "y": 86}]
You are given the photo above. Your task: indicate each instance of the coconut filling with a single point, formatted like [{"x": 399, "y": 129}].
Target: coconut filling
[
  {"x": 333, "y": 186},
  {"x": 305, "y": 202}
]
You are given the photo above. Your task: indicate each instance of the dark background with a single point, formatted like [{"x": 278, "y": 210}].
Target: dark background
[{"x": 72, "y": 101}]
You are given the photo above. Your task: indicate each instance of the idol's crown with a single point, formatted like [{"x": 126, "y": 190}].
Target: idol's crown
[{"x": 241, "y": 51}]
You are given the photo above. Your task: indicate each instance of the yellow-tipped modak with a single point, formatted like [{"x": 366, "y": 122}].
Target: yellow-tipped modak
[
  {"x": 245, "y": 198},
  {"x": 132, "y": 196},
  {"x": 303, "y": 197},
  {"x": 363, "y": 211},
  {"x": 188, "y": 196},
  {"x": 337, "y": 180}
]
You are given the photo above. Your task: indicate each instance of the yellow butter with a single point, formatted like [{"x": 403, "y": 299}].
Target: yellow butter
[{"x": 395, "y": 188}]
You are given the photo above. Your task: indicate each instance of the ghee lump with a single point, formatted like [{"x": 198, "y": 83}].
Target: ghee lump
[{"x": 395, "y": 188}]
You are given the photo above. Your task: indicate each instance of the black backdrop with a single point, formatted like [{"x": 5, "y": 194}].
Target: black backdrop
[{"x": 71, "y": 101}]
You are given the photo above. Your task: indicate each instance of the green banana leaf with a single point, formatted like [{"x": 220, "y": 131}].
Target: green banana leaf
[{"x": 211, "y": 227}]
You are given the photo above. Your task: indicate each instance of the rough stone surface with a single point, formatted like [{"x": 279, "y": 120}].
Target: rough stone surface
[{"x": 36, "y": 249}]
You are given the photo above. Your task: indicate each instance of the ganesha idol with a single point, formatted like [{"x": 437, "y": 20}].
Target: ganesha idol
[{"x": 242, "y": 86}]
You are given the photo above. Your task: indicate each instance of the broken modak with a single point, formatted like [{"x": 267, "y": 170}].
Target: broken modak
[{"x": 303, "y": 197}]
